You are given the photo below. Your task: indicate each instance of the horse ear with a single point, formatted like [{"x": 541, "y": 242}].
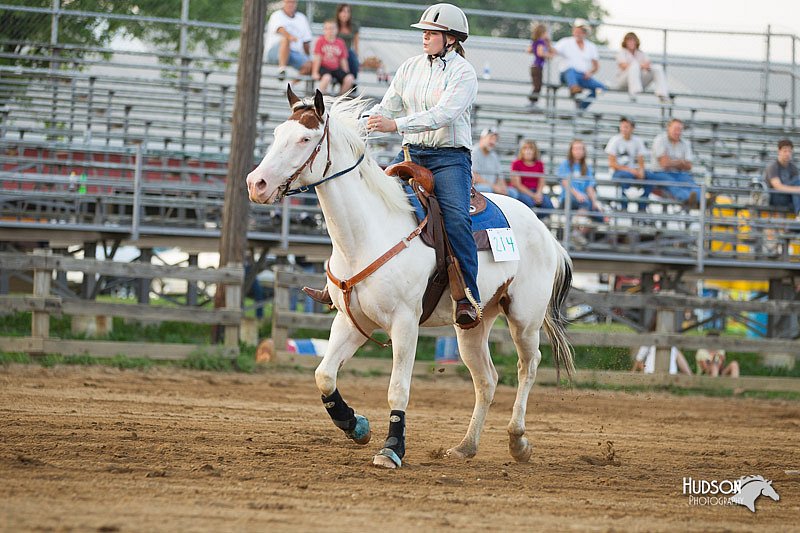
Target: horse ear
[
  {"x": 319, "y": 103},
  {"x": 293, "y": 99}
]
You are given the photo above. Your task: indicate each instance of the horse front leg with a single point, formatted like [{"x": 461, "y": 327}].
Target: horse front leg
[
  {"x": 404, "y": 346},
  {"x": 343, "y": 343}
]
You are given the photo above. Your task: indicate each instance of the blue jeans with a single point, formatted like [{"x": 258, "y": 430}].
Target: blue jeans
[
  {"x": 585, "y": 205},
  {"x": 485, "y": 187},
  {"x": 646, "y": 189},
  {"x": 352, "y": 62},
  {"x": 452, "y": 168},
  {"x": 546, "y": 203},
  {"x": 782, "y": 199},
  {"x": 572, "y": 77},
  {"x": 684, "y": 184},
  {"x": 296, "y": 59}
]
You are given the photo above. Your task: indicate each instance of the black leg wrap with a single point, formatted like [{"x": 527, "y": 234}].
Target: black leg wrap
[
  {"x": 343, "y": 416},
  {"x": 396, "y": 441}
]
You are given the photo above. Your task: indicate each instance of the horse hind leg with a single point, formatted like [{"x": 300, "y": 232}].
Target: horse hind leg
[
  {"x": 473, "y": 345},
  {"x": 526, "y": 340}
]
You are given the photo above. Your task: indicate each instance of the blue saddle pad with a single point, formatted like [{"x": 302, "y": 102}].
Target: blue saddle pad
[{"x": 489, "y": 218}]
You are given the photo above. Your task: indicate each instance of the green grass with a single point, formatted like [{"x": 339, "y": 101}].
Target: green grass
[{"x": 205, "y": 358}]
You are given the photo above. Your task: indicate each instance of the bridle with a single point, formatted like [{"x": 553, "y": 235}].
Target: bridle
[{"x": 283, "y": 190}]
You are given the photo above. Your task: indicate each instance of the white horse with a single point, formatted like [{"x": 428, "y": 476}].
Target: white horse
[{"x": 367, "y": 213}]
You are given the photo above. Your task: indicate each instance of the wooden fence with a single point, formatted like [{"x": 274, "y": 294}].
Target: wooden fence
[
  {"x": 284, "y": 321},
  {"x": 42, "y": 305}
]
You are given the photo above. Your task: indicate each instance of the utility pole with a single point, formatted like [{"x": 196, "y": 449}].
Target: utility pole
[
  {"x": 233, "y": 239},
  {"x": 235, "y": 213}
]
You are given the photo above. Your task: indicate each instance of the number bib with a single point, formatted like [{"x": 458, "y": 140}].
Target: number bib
[{"x": 504, "y": 245}]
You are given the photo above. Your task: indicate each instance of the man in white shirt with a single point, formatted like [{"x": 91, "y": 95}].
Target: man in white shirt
[
  {"x": 626, "y": 159},
  {"x": 289, "y": 39},
  {"x": 579, "y": 61},
  {"x": 486, "y": 166}
]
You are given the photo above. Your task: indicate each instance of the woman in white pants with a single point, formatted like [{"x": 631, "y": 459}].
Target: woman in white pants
[{"x": 636, "y": 72}]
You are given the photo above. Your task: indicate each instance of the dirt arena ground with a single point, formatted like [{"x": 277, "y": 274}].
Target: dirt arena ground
[{"x": 100, "y": 449}]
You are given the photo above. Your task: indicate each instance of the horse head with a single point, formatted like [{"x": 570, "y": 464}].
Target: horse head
[
  {"x": 769, "y": 491},
  {"x": 291, "y": 158}
]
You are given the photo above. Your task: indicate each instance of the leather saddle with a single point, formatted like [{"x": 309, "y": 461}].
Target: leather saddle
[{"x": 447, "y": 271}]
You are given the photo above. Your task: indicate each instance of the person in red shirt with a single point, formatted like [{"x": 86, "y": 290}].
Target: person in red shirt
[
  {"x": 528, "y": 179},
  {"x": 330, "y": 60}
]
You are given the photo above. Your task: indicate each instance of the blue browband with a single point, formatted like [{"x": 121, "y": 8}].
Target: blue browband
[{"x": 306, "y": 188}]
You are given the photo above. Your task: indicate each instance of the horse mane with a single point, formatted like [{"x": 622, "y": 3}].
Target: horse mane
[
  {"x": 745, "y": 480},
  {"x": 344, "y": 127}
]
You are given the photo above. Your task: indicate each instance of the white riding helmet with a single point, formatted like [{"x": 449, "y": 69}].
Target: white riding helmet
[{"x": 447, "y": 18}]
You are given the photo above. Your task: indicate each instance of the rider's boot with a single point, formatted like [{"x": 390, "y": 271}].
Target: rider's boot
[{"x": 317, "y": 295}]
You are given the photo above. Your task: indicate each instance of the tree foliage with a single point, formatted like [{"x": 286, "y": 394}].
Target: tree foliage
[
  {"x": 494, "y": 26},
  {"x": 27, "y": 34}
]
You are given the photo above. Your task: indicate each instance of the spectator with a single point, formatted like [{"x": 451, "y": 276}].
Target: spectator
[
  {"x": 582, "y": 186},
  {"x": 486, "y": 167},
  {"x": 579, "y": 62},
  {"x": 330, "y": 60},
  {"x": 672, "y": 161},
  {"x": 626, "y": 159},
  {"x": 289, "y": 39},
  {"x": 645, "y": 361},
  {"x": 712, "y": 361},
  {"x": 783, "y": 178},
  {"x": 635, "y": 71},
  {"x": 348, "y": 32},
  {"x": 527, "y": 178},
  {"x": 542, "y": 50}
]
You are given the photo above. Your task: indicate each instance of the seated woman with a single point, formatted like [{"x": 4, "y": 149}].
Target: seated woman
[
  {"x": 582, "y": 186},
  {"x": 527, "y": 178},
  {"x": 635, "y": 71}
]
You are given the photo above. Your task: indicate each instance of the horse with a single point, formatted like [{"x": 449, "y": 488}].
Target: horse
[
  {"x": 751, "y": 488},
  {"x": 368, "y": 213}
]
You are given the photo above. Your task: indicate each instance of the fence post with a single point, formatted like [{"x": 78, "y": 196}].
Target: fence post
[
  {"x": 665, "y": 323},
  {"x": 765, "y": 80},
  {"x": 40, "y": 321},
  {"x": 56, "y": 6},
  {"x": 233, "y": 302},
  {"x": 701, "y": 234},
  {"x": 794, "y": 82},
  {"x": 137, "y": 195},
  {"x": 280, "y": 303}
]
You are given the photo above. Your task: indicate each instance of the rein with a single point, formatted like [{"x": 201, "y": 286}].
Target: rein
[{"x": 347, "y": 285}]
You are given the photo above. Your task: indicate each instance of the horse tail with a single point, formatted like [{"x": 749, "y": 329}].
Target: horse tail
[{"x": 554, "y": 320}]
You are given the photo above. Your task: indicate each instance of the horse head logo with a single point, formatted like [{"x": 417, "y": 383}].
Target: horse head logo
[{"x": 751, "y": 488}]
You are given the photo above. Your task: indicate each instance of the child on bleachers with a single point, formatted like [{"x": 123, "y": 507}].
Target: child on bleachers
[
  {"x": 527, "y": 178},
  {"x": 331, "y": 60},
  {"x": 542, "y": 50}
]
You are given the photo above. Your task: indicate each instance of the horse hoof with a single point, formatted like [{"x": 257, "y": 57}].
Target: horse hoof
[
  {"x": 459, "y": 453},
  {"x": 521, "y": 450},
  {"x": 361, "y": 434},
  {"x": 387, "y": 458}
]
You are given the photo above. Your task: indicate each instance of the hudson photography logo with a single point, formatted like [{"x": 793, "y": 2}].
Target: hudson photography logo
[{"x": 743, "y": 491}]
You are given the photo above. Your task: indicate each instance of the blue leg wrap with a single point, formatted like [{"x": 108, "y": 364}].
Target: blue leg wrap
[
  {"x": 395, "y": 446},
  {"x": 354, "y": 426}
]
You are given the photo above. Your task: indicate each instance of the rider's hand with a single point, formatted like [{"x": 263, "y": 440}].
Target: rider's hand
[{"x": 381, "y": 124}]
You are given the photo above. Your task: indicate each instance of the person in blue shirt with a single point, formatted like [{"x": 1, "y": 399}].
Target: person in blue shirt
[{"x": 578, "y": 178}]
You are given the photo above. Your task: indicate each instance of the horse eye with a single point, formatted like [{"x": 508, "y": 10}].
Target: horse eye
[{"x": 306, "y": 140}]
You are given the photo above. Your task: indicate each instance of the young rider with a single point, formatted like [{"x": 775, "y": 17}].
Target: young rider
[{"x": 428, "y": 103}]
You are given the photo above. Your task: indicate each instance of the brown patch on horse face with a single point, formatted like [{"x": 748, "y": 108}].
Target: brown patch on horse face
[{"x": 307, "y": 117}]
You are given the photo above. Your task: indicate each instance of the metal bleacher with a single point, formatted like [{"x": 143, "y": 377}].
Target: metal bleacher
[{"x": 131, "y": 115}]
